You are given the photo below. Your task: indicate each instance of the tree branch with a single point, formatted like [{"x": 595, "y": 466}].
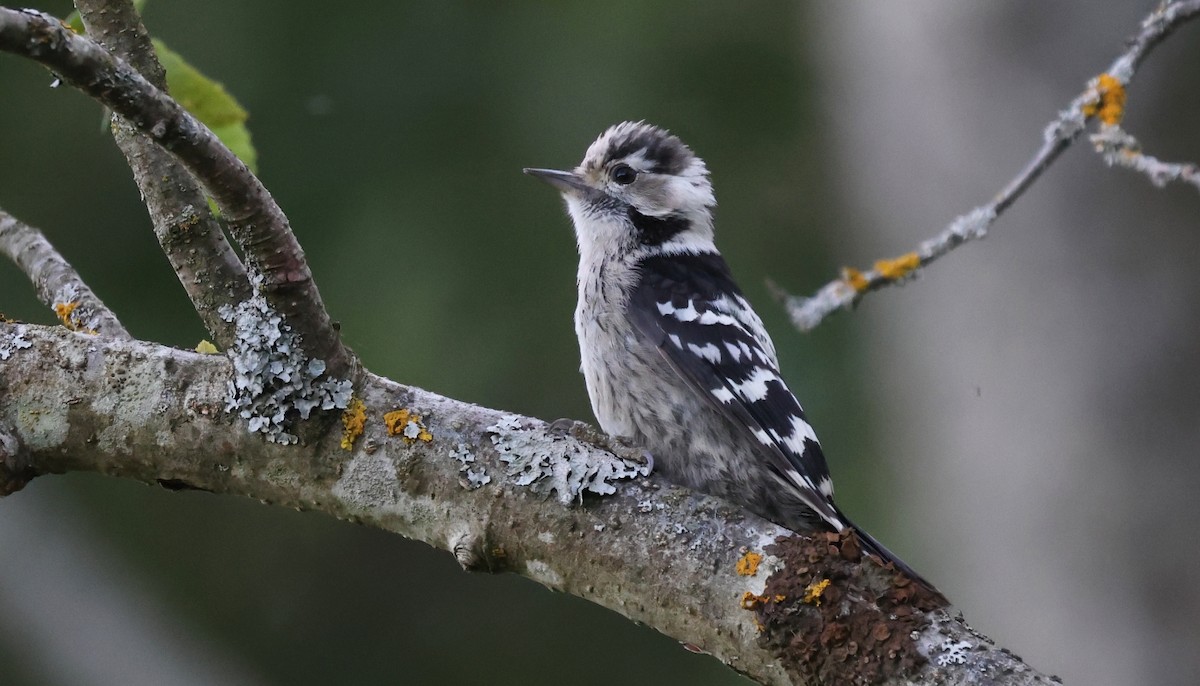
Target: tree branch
[
  {"x": 255, "y": 220},
  {"x": 1095, "y": 101},
  {"x": 1119, "y": 149},
  {"x": 192, "y": 239},
  {"x": 778, "y": 607},
  {"x": 58, "y": 285}
]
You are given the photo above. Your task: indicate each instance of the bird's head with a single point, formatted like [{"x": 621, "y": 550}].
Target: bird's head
[{"x": 637, "y": 187}]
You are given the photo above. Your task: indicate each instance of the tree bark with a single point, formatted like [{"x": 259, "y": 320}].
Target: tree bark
[{"x": 501, "y": 493}]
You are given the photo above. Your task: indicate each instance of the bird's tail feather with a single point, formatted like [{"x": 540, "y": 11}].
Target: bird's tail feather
[{"x": 874, "y": 547}]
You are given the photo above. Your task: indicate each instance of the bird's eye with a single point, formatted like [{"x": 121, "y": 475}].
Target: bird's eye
[{"x": 623, "y": 174}]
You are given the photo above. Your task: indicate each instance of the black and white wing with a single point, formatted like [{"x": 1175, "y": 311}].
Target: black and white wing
[{"x": 689, "y": 306}]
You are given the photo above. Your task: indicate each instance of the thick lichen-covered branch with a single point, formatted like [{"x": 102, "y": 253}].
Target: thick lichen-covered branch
[
  {"x": 500, "y": 492},
  {"x": 192, "y": 239},
  {"x": 1103, "y": 100},
  {"x": 254, "y": 219},
  {"x": 57, "y": 283}
]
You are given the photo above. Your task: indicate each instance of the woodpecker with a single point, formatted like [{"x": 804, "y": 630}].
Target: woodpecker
[{"x": 675, "y": 359}]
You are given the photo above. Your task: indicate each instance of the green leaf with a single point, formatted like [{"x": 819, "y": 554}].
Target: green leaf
[{"x": 209, "y": 102}]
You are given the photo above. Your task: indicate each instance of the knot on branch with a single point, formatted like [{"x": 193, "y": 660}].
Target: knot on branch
[{"x": 838, "y": 619}]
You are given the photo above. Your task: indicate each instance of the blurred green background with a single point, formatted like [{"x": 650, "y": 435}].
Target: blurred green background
[
  {"x": 393, "y": 135},
  {"x": 1020, "y": 424}
]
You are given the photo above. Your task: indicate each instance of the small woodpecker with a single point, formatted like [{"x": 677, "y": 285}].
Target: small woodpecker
[{"x": 675, "y": 359}]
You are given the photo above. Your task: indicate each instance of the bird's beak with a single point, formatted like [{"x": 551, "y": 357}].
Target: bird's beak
[{"x": 565, "y": 181}]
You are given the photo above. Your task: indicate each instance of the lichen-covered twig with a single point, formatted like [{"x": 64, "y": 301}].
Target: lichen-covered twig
[
  {"x": 192, "y": 239},
  {"x": 779, "y": 608},
  {"x": 57, "y": 283},
  {"x": 1119, "y": 149},
  {"x": 254, "y": 219},
  {"x": 1103, "y": 99}
]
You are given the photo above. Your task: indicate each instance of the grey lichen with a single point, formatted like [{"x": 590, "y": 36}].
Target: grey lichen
[
  {"x": 13, "y": 341},
  {"x": 549, "y": 462},
  {"x": 273, "y": 381},
  {"x": 953, "y": 653},
  {"x": 475, "y": 477}
]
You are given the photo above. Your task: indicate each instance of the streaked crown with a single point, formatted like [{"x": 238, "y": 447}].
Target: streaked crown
[
  {"x": 637, "y": 187},
  {"x": 667, "y": 177}
]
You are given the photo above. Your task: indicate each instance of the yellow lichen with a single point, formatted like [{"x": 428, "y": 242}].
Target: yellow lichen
[
  {"x": 812, "y": 594},
  {"x": 899, "y": 267},
  {"x": 1109, "y": 104},
  {"x": 206, "y": 348},
  {"x": 855, "y": 278},
  {"x": 406, "y": 424},
  {"x": 395, "y": 421},
  {"x": 66, "y": 315},
  {"x": 751, "y": 601},
  {"x": 354, "y": 418},
  {"x": 747, "y": 565},
  {"x": 64, "y": 310}
]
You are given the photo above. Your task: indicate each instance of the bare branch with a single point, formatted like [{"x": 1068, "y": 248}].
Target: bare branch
[
  {"x": 57, "y": 283},
  {"x": 255, "y": 220},
  {"x": 501, "y": 493},
  {"x": 209, "y": 270},
  {"x": 1094, "y": 102}
]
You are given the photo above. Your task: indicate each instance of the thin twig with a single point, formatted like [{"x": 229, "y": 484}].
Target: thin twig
[
  {"x": 58, "y": 285},
  {"x": 254, "y": 218},
  {"x": 1098, "y": 100},
  {"x": 192, "y": 239},
  {"x": 1119, "y": 149}
]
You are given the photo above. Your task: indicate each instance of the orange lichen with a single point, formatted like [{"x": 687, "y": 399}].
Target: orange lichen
[
  {"x": 395, "y": 421},
  {"x": 855, "y": 278},
  {"x": 751, "y": 601},
  {"x": 747, "y": 565},
  {"x": 899, "y": 267},
  {"x": 1109, "y": 104},
  {"x": 354, "y": 419},
  {"x": 812, "y": 594},
  {"x": 406, "y": 424},
  {"x": 64, "y": 311},
  {"x": 66, "y": 315}
]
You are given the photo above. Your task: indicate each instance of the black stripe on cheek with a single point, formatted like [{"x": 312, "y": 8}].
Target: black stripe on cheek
[{"x": 657, "y": 230}]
